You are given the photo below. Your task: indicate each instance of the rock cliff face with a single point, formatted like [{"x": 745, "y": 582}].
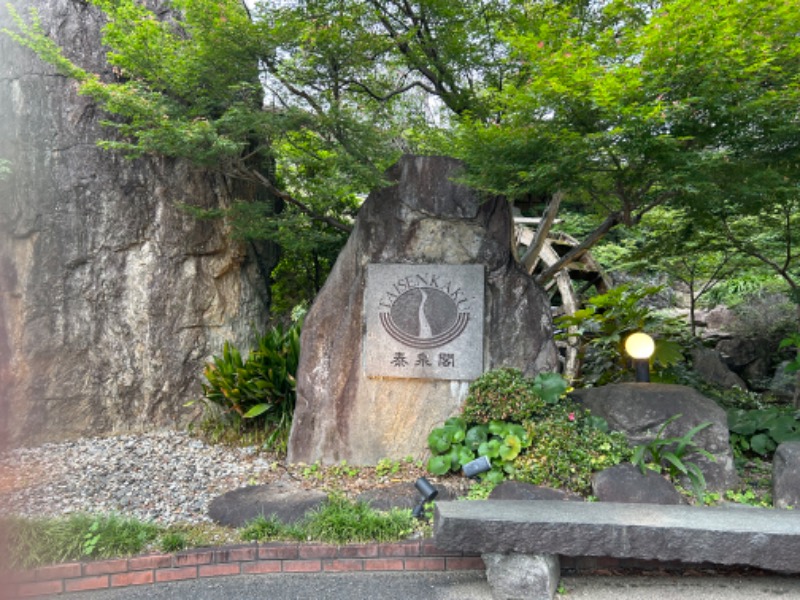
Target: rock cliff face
[{"x": 111, "y": 298}]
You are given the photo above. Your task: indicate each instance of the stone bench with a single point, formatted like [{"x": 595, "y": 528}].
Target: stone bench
[{"x": 521, "y": 541}]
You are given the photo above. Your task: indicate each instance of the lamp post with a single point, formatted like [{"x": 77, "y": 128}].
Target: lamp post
[{"x": 640, "y": 347}]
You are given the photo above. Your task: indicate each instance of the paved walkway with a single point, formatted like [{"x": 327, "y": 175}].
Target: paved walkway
[{"x": 465, "y": 585}]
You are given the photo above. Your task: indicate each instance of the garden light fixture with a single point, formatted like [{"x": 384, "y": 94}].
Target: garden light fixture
[
  {"x": 640, "y": 347},
  {"x": 475, "y": 467},
  {"x": 428, "y": 493}
]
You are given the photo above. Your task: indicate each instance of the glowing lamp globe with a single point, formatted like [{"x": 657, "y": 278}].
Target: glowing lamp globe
[{"x": 639, "y": 346}]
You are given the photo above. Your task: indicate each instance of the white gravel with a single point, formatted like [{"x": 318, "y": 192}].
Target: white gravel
[{"x": 166, "y": 477}]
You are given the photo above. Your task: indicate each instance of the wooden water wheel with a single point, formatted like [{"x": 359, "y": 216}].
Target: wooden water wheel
[{"x": 569, "y": 285}]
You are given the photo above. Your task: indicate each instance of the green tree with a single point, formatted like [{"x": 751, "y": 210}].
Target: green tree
[
  {"x": 614, "y": 107},
  {"x": 647, "y": 104}
]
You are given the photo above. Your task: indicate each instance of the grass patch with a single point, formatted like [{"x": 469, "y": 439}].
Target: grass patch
[
  {"x": 37, "y": 542},
  {"x": 337, "y": 521}
]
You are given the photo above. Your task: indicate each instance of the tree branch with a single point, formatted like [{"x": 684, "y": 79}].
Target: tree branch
[
  {"x": 304, "y": 208},
  {"x": 610, "y": 222}
]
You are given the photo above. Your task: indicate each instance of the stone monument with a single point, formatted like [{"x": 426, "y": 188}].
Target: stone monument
[{"x": 425, "y": 297}]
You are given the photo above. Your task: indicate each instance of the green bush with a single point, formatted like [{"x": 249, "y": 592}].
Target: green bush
[
  {"x": 257, "y": 393},
  {"x": 505, "y": 394},
  {"x": 527, "y": 434},
  {"x": 567, "y": 447}
]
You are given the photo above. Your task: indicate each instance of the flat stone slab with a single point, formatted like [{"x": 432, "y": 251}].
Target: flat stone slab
[
  {"x": 285, "y": 502},
  {"x": 764, "y": 538}
]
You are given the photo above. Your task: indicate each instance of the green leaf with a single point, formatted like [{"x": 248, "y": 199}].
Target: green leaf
[
  {"x": 668, "y": 353},
  {"x": 762, "y": 444},
  {"x": 438, "y": 465},
  {"x": 490, "y": 448},
  {"x": 550, "y": 386},
  {"x": 498, "y": 428},
  {"x": 258, "y": 409},
  {"x": 456, "y": 422},
  {"x": 495, "y": 476},
  {"x": 439, "y": 441},
  {"x": 476, "y": 436},
  {"x": 465, "y": 456}
]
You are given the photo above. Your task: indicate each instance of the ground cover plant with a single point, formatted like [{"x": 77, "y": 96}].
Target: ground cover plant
[{"x": 528, "y": 431}]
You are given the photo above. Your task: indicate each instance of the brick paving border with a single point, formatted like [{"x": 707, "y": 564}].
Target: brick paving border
[
  {"x": 419, "y": 555},
  {"x": 270, "y": 558}
]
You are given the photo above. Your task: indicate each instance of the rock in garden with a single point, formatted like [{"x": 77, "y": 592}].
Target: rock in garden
[
  {"x": 399, "y": 495},
  {"x": 640, "y": 409},
  {"x": 285, "y": 502},
  {"x": 519, "y": 490},
  {"x": 712, "y": 369},
  {"x": 786, "y": 476},
  {"x": 627, "y": 483},
  {"x": 437, "y": 230},
  {"x": 518, "y": 576}
]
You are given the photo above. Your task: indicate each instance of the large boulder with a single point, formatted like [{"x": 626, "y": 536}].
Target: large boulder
[
  {"x": 786, "y": 476},
  {"x": 640, "y": 409},
  {"x": 111, "y": 297},
  {"x": 423, "y": 218}
]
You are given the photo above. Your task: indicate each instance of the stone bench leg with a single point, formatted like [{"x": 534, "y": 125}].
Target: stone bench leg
[{"x": 522, "y": 576}]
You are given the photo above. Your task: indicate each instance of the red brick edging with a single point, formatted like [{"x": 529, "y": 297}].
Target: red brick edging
[{"x": 419, "y": 555}]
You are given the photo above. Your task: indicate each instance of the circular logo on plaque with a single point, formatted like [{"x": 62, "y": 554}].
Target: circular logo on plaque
[{"x": 424, "y": 317}]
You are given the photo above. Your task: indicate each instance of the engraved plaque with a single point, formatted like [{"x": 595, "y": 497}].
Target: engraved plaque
[{"x": 424, "y": 321}]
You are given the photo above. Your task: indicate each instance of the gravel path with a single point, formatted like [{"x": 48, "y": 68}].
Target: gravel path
[{"x": 167, "y": 477}]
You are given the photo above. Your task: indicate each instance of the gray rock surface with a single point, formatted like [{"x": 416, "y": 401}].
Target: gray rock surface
[
  {"x": 522, "y": 577},
  {"x": 764, "y": 538},
  {"x": 282, "y": 500},
  {"x": 519, "y": 490},
  {"x": 712, "y": 369},
  {"x": 640, "y": 409},
  {"x": 400, "y": 495},
  {"x": 424, "y": 217},
  {"x": 111, "y": 297},
  {"x": 626, "y": 483},
  {"x": 786, "y": 476}
]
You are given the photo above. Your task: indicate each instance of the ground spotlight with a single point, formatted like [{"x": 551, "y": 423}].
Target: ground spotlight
[{"x": 428, "y": 493}]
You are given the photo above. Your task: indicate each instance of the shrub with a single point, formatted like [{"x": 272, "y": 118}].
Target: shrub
[
  {"x": 505, "y": 394},
  {"x": 567, "y": 446},
  {"x": 765, "y": 317},
  {"x": 257, "y": 393},
  {"x": 670, "y": 453},
  {"x": 603, "y": 325}
]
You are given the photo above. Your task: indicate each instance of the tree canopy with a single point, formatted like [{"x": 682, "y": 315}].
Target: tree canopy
[{"x": 613, "y": 107}]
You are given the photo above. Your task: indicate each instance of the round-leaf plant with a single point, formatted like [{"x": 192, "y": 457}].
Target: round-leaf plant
[{"x": 454, "y": 445}]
